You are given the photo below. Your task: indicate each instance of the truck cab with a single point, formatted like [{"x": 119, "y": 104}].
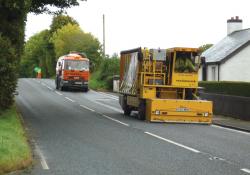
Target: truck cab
[{"x": 72, "y": 71}]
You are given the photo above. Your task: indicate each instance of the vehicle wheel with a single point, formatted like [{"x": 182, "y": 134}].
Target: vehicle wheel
[
  {"x": 126, "y": 108},
  {"x": 85, "y": 89},
  {"x": 61, "y": 88},
  {"x": 57, "y": 87},
  {"x": 142, "y": 110}
]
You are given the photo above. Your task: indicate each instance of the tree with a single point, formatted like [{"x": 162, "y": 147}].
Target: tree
[
  {"x": 40, "y": 6},
  {"x": 204, "y": 47},
  {"x": 61, "y": 20},
  {"x": 72, "y": 38},
  {"x": 38, "y": 52},
  {"x": 13, "y": 17},
  {"x": 8, "y": 72}
]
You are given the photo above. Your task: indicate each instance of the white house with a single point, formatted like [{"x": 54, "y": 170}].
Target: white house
[{"x": 229, "y": 59}]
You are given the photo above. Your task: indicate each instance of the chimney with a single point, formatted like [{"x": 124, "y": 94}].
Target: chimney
[{"x": 234, "y": 24}]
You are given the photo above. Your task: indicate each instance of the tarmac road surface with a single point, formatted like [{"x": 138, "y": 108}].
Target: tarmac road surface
[{"x": 86, "y": 133}]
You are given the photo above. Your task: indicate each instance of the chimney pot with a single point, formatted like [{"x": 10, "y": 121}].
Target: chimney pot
[{"x": 237, "y": 17}]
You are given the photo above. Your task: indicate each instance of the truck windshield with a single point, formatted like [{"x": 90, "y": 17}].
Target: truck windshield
[
  {"x": 76, "y": 65},
  {"x": 184, "y": 62}
]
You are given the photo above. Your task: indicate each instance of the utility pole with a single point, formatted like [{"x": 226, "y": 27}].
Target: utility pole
[{"x": 103, "y": 20}]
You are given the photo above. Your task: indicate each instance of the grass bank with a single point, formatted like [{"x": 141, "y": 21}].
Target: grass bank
[{"x": 15, "y": 152}]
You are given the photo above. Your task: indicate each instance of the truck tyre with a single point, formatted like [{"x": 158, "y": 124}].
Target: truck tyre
[
  {"x": 126, "y": 108},
  {"x": 142, "y": 110},
  {"x": 61, "y": 88},
  {"x": 57, "y": 87},
  {"x": 85, "y": 89}
]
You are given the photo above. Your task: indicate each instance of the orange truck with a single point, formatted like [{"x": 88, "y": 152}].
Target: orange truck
[{"x": 72, "y": 71}]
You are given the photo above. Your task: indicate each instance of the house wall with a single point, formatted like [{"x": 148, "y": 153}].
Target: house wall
[
  {"x": 200, "y": 74},
  {"x": 212, "y": 72},
  {"x": 237, "y": 68}
]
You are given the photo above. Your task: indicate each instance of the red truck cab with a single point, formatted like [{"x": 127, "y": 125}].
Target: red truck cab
[{"x": 72, "y": 71}]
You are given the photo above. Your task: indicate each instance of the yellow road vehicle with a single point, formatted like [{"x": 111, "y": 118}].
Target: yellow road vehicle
[{"x": 162, "y": 85}]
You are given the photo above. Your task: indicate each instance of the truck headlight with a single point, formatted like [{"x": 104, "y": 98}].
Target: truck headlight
[
  {"x": 157, "y": 112},
  {"x": 205, "y": 114}
]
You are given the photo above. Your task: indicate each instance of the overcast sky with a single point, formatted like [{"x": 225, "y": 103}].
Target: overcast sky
[{"x": 152, "y": 23}]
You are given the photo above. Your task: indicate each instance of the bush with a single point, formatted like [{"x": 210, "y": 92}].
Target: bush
[
  {"x": 227, "y": 87},
  {"x": 8, "y": 72},
  {"x": 103, "y": 77}
]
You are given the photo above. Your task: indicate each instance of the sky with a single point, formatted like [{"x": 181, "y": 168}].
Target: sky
[{"x": 151, "y": 23}]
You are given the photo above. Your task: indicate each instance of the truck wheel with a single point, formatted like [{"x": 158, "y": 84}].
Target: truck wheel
[
  {"x": 61, "y": 88},
  {"x": 85, "y": 89},
  {"x": 126, "y": 108},
  {"x": 57, "y": 87},
  {"x": 142, "y": 110}
]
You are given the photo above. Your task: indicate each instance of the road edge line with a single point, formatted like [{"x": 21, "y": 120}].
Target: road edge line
[{"x": 42, "y": 158}]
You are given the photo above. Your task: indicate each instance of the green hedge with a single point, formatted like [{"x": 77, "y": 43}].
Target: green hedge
[
  {"x": 8, "y": 72},
  {"x": 227, "y": 87}
]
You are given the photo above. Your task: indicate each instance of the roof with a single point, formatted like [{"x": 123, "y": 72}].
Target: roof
[
  {"x": 73, "y": 56},
  {"x": 227, "y": 46}
]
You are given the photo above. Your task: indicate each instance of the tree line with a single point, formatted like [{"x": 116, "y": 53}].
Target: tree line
[
  {"x": 65, "y": 35},
  {"x": 13, "y": 19}
]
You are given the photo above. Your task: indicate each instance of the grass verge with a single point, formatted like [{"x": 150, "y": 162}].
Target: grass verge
[{"x": 15, "y": 152}]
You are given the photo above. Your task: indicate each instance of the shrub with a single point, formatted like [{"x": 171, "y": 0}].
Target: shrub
[
  {"x": 8, "y": 72},
  {"x": 103, "y": 77},
  {"x": 227, "y": 87}
]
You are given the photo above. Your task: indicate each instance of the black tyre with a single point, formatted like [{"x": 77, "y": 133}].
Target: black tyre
[
  {"x": 142, "y": 110},
  {"x": 56, "y": 82},
  {"x": 126, "y": 108},
  {"x": 85, "y": 89},
  {"x": 61, "y": 88}
]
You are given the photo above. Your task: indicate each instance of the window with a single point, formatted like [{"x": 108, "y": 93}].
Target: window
[
  {"x": 184, "y": 62},
  {"x": 213, "y": 73}
]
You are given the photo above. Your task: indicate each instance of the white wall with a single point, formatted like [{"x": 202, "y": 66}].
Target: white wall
[
  {"x": 200, "y": 74},
  {"x": 237, "y": 68},
  {"x": 233, "y": 26},
  {"x": 212, "y": 76}
]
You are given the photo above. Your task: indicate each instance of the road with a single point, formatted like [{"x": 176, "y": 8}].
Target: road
[{"x": 86, "y": 133}]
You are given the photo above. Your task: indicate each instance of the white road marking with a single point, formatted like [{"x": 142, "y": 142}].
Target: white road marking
[
  {"x": 87, "y": 108},
  {"x": 49, "y": 87},
  {"x": 118, "y": 121},
  {"x": 245, "y": 170},
  {"x": 229, "y": 129},
  {"x": 58, "y": 93},
  {"x": 42, "y": 158},
  {"x": 109, "y": 95},
  {"x": 70, "y": 99},
  {"x": 110, "y": 107},
  {"x": 172, "y": 142}
]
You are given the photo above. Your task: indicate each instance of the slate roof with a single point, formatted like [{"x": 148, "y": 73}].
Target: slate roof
[{"x": 227, "y": 46}]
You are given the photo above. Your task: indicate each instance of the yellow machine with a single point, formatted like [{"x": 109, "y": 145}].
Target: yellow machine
[{"x": 162, "y": 85}]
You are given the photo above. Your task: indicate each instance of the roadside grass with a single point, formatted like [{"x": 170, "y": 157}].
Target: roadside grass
[{"x": 15, "y": 153}]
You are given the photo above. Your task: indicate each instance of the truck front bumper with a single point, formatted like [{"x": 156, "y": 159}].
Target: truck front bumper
[
  {"x": 74, "y": 83},
  {"x": 179, "y": 111}
]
